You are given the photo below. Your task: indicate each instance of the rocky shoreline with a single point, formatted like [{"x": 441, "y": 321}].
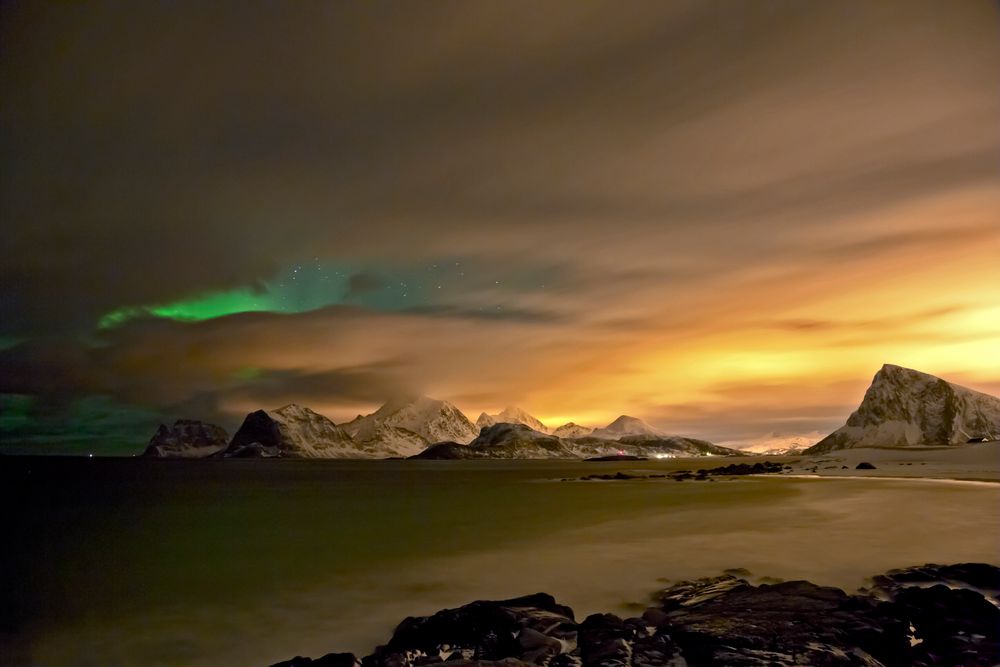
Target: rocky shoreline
[
  {"x": 926, "y": 615},
  {"x": 732, "y": 470}
]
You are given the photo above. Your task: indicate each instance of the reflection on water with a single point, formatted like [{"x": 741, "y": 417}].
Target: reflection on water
[{"x": 136, "y": 562}]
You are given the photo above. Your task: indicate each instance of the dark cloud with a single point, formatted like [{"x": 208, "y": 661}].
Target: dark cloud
[
  {"x": 363, "y": 283},
  {"x": 871, "y": 324},
  {"x": 352, "y": 386},
  {"x": 612, "y": 191}
]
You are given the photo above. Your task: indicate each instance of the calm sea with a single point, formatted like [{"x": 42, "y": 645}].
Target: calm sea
[{"x": 144, "y": 562}]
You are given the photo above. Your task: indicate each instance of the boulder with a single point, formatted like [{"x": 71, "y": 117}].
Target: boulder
[{"x": 922, "y": 616}]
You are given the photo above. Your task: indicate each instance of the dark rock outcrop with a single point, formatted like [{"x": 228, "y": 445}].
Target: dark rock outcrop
[
  {"x": 618, "y": 457},
  {"x": 187, "y": 438},
  {"x": 758, "y": 468},
  {"x": 328, "y": 660},
  {"x": 923, "y": 616},
  {"x": 864, "y": 465},
  {"x": 447, "y": 451},
  {"x": 483, "y": 630}
]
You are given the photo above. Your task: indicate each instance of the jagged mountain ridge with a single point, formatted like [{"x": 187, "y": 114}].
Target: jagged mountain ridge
[
  {"x": 906, "y": 408},
  {"x": 406, "y": 427}
]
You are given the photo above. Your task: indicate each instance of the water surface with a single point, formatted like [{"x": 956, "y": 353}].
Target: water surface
[{"x": 145, "y": 562}]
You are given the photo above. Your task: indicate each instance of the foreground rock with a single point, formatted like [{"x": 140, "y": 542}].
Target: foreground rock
[
  {"x": 929, "y": 615},
  {"x": 906, "y": 408},
  {"x": 187, "y": 438}
]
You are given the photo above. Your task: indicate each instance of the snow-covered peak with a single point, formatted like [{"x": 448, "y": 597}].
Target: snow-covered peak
[
  {"x": 572, "y": 430},
  {"x": 625, "y": 425},
  {"x": 511, "y": 415},
  {"x": 294, "y": 411},
  {"x": 485, "y": 421},
  {"x": 432, "y": 419},
  {"x": 775, "y": 443}
]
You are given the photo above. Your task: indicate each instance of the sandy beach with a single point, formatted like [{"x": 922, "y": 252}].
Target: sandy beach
[{"x": 974, "y": 462}]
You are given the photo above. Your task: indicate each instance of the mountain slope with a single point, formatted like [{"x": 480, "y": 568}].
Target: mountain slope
[
  {"x": 503, "y": 441},
  {"x": 906, "y": 408},
  {"x": 398, "y": 420},
  {"x": 292, "y": 431},
  {"x": 511, "y": 415},
  {"x": 649, "y": 446},
  {"x": 187, "y": 438}
]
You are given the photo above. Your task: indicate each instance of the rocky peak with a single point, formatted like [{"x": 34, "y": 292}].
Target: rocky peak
[
  {"x": 904, "y": 407},
  {"x": 485, "y": 421}
]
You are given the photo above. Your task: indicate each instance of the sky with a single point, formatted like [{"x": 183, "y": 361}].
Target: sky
[{"x": 719, "y": 216}]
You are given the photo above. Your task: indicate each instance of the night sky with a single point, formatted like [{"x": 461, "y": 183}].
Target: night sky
[{"x": 722, "y": 217}]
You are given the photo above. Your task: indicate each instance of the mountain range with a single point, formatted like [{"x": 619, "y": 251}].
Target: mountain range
[
  {"x": 419, "y": 427},
  {"x": 902, "y": 408}
]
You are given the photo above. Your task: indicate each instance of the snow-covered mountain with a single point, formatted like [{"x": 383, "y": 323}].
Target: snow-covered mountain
[
  {"x": 517, "y": 441},
  {"x": 503, "y": 441},
  {"x": 511, "y": 415},
  {"x": 292, "y": 431},
  {"x": 623, "y": 426},
  {"x": 380, "y": 440},
  {"x": 906, "y": 408},
  {"x": 773, "y": 444},
  {"x": 571, "y": 430},
  {"x": 187, "y": 438},
  {"x": 649, "y": 446},
  {"x": 397, "y": 422}
]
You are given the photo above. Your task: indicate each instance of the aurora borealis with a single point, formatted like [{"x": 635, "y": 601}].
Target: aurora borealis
[{"x": 721, "y": 217}]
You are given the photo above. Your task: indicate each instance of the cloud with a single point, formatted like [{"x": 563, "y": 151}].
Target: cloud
[
  {"x": 362, "y": 283},
  {"x": 587, "y": 210}
]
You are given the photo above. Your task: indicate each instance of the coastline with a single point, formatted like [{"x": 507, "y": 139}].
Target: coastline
[{"x": 971, "y": 462}]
